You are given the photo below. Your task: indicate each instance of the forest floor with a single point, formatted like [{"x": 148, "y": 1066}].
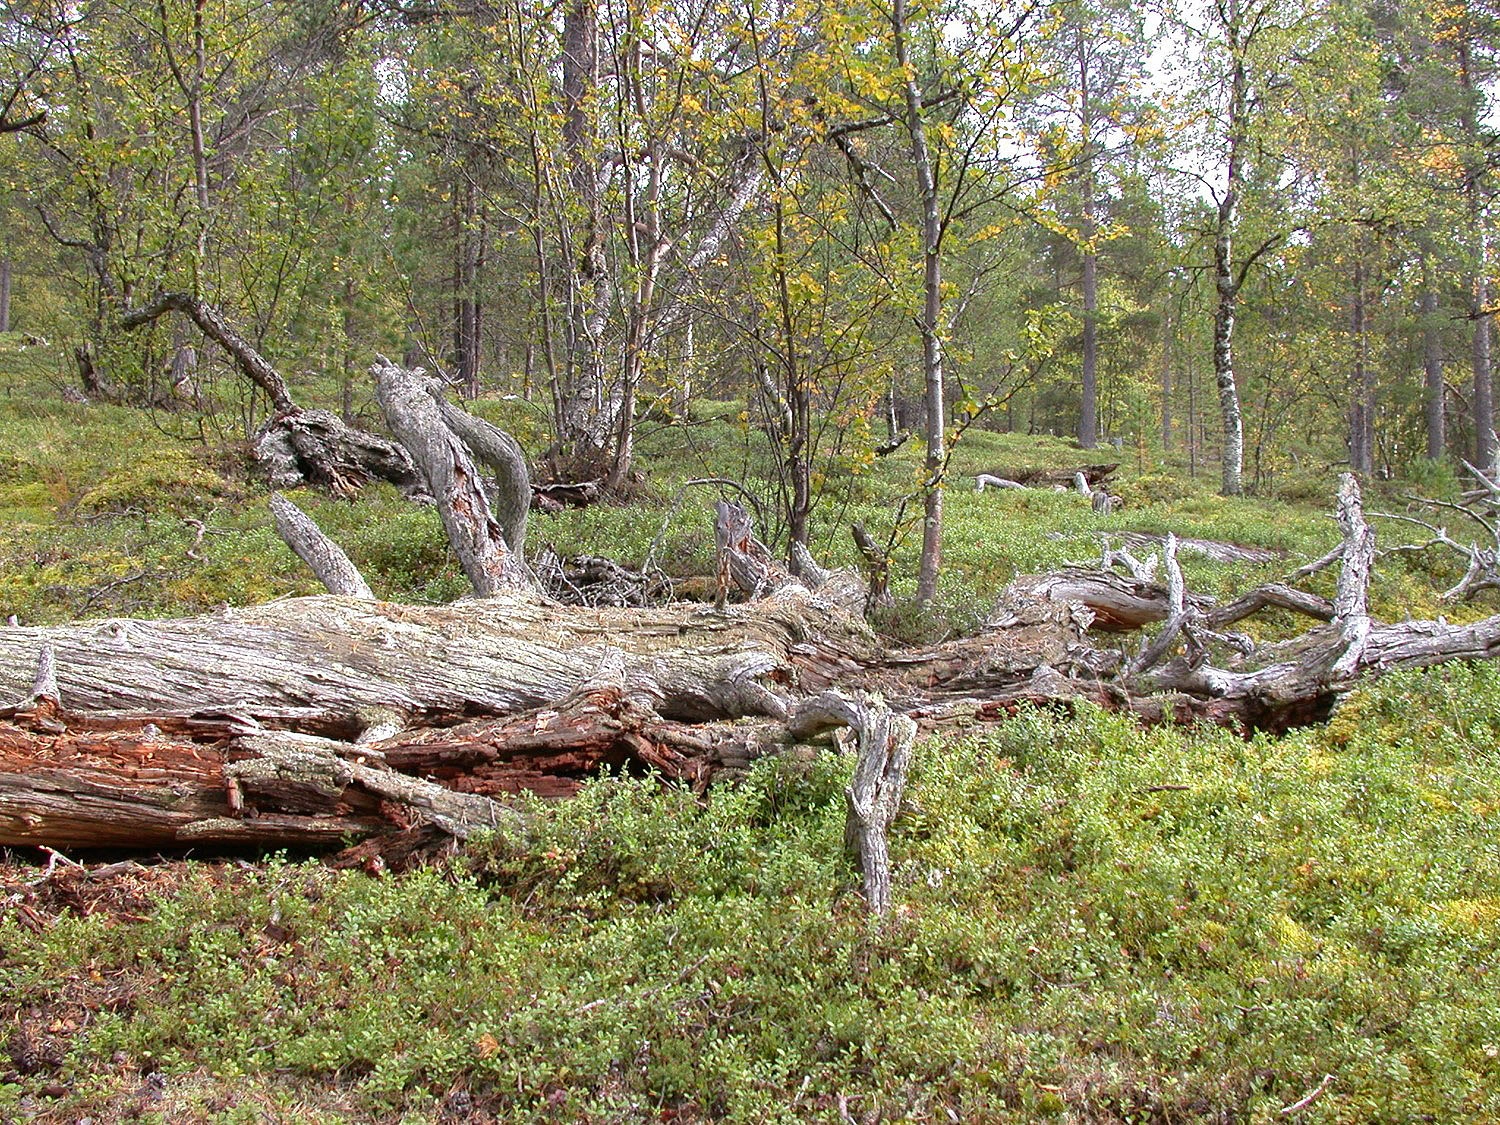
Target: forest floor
[{"x": 1095, "y": 922}]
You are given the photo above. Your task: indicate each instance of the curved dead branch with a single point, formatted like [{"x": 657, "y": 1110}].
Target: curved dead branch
[
  {"x": 213, "y": 324},
  {"x": 414, "y": 416},
  {"x": 324, "y": 557}
]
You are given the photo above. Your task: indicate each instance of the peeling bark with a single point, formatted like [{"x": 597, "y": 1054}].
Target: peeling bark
[
  {"x": 316, "y": 721},
  {"x": 502, "y": 454},
  {"x": 418, "y": 422}
]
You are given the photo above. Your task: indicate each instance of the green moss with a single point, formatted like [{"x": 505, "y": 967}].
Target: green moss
[{"x": 169, "y": 480}]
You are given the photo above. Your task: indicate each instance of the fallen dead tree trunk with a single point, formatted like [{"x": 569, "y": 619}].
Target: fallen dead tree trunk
[
  {"x": 1093, "y": 476},
  {"x": 314, "y": 720},
  {"x": 1211, "y": 549},
  {"x": 327, "y": 665}
]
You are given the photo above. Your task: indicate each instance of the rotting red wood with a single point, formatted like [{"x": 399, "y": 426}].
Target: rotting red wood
[
  {"x": 222, "y": 745},
  {"x": 140, "y": 791},
  {"x": 142, "y": 788}
]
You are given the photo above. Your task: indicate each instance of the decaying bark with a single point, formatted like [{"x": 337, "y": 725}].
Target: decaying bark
[
  {"x": 416, "y": 416},
  {"x": 877, "y": 566},
  {"x": 556, "y": 496},
  {"x": 332, "y": 719},
  {"x": 501, "y": 453},
  {"x": 317, "y": 448},
  {"x": 295, "y": 447}
]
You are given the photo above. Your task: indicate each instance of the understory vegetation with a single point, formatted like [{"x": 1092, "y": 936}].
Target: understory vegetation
[{"x": 1096, "y": 922}]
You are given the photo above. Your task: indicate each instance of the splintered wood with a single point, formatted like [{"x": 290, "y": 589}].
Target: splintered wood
[{"x": 319, "y": 721}]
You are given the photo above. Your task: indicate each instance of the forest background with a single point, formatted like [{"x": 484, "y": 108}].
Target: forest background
[{"x": 1256, "y": 233}]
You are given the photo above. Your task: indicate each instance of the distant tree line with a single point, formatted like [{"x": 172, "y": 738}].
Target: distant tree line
[{"x": 1255, "y": 232}]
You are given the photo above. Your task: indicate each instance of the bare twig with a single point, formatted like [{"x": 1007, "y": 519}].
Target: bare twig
[
  {"x": 54, "y": 857},
  {"x": 99, "y": 591},
  {"x": 199, "y": 530},
  {"x": 1316, "y": 565},
  {"x": 1313, "y": 1095}
]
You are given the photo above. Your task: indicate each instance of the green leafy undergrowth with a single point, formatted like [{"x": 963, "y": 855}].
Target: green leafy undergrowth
[{"x": 1097, "y": 922}]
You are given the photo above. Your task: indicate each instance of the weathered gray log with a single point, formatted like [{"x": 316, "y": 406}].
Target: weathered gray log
[
  {"x": 1211, "y": 549},
  {"x": 1272, "y": 595},
  {"x": 339, "y": 667},
  {"x": 323, "y": 556},
  {"x": 840, "y": 586},
  {"x": 1141, "y": 570},
  {"x": 143, "y": 791},
  {"x": 742, "y": 561},
  {"x": 874, "y": 793},
  {"x": 1118, "y": 604},
  {"x": 296, "y": 446},
  {"x": 805, "y": 567},
  {"x": 1177, "y": 613},
  {"x": 325, "y": 664},
  {"x": 490, "y": 693},
  {"x": 130, "y": 784},
  {"x": 285, "y": 763},
  {"x": 988, "y": 480},
  {"x": 1329, "y": 659},
  {"x": 44, "y": 688},
  {"x": 477, "y": 537}
]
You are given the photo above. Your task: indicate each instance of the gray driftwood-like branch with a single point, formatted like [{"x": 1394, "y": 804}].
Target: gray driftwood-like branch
[
  {"x": 443, "y": 457},
  {"x": 212, "y": 323},
  {"x": 885, "y": 742},
  {"x": 499, "y": 451},
  {"x": 1273, "y": 595},
  {"x": 296, "y": 446},
  {"x": 1177, "y": 613},
  {"x": 324, "y": 557},
  {"x": 1211, "y": 549},
  {"x": 1479, "y": 507},
  {"x": 988, "y": 480}
]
